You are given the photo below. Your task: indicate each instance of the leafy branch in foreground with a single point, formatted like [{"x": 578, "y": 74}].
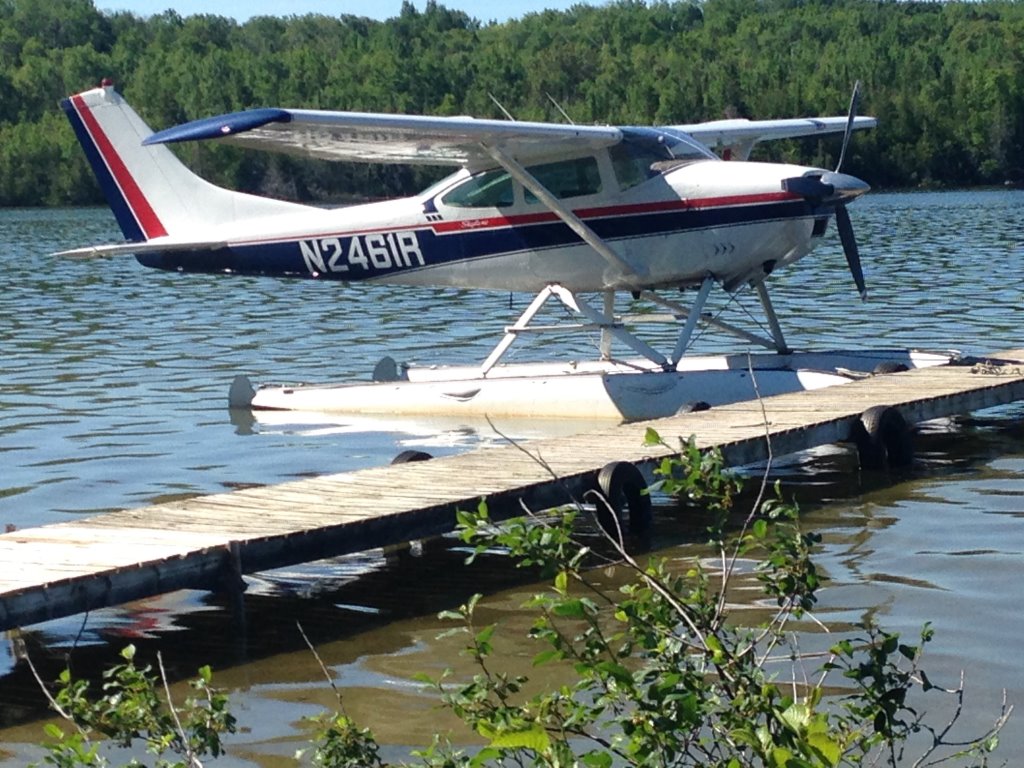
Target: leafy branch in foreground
[
  {"x": 130, "y": 710},
  {"x": 665, "y": 672}
]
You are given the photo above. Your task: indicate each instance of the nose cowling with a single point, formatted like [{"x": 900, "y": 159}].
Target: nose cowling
[
  {"x": 834, "y": 190},
  {"x": 844, "y": 186},
  {"x": 826, "y": 187}
]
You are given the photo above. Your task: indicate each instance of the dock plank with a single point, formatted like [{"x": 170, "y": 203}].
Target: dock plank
[{"x": 205, "y": 541}]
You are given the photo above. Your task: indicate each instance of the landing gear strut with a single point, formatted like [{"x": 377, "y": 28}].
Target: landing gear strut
[{"x": 614, "y": 327}]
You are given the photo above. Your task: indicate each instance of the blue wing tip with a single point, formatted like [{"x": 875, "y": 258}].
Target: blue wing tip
[{"x": 220, "y": 126}]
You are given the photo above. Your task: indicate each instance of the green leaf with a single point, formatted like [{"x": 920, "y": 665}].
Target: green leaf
[
  {"x": 570, "y": 609},
  {"x": 616, "y": 671},
  {"x": 535, "y": 738},
  {"x": 796, "y": 717},
  {"x": 890, "y": 644},
  {"x": 485, "y": 756},
  {"x": 828, "y": 749},
  {"x": 842, "y": 648},
  {"x": 713, "y": 645},
  {"x": 926, "y": 684},
  {"x": 597, "y": 760},
  {"x": 485, "y": 634},
  {"x": 546, "y": 656}
]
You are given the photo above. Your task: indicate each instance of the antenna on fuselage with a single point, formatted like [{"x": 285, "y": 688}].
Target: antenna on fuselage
[
  {"x": 500, "y": 106},
  {"x": 559, "y": 108}
]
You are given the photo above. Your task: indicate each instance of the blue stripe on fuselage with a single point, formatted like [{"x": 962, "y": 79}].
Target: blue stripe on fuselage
[{"x": 284, "y": 258}]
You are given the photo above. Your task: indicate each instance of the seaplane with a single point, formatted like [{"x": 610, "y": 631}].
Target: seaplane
[{"x": 577, "y": 215}]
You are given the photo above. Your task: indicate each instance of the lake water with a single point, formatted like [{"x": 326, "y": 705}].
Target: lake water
[{"x": 113, "y": 393}]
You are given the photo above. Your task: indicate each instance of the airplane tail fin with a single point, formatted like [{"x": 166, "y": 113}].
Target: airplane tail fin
[{"x": 151, "y": 192}]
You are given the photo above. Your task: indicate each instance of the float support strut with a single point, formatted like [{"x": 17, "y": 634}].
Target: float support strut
[
  {"x": 606, "y": 336},
  {"x": 691, "y": 320},
  {"x": 773, "y": 319}
]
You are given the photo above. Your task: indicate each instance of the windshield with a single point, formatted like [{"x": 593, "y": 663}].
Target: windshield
[{"x": 666, "y": 143}]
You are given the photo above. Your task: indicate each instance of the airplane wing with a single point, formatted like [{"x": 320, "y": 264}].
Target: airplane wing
[
  {"x": 458, "y": 141},
  {"x": 384, "y": 138},
  {"x": 737, "y": 137}
]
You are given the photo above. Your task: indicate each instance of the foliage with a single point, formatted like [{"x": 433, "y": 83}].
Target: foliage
[
  {"x": 130, "y": 710},
  {"x": 662, "y": 674},
  {"x": 340, "y": 743},
  {"x": 946, "y": 80}
]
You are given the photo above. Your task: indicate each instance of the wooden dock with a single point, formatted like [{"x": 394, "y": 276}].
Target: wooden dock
[{"x": 208, "y": 542}]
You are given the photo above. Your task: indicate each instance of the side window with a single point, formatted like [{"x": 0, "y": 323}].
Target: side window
[
  {"x": 492, "y": 189},
  {"x": 567, "y": 178},
  {"x": 632, "y": 164}
]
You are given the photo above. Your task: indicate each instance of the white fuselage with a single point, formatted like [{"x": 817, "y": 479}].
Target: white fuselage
[{"x": 727, "y": 220}]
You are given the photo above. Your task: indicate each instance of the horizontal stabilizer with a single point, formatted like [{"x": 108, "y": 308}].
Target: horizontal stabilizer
[{"x": 157, "y": 245}]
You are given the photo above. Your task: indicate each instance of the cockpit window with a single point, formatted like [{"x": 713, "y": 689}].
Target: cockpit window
[
  {"x": 634, "y": 164},
  {"x": 492, "y": 189},
  {"x": 567, "y": 178}
]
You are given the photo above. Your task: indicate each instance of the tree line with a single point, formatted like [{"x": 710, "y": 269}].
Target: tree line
[{"x": 945, "y": 79}]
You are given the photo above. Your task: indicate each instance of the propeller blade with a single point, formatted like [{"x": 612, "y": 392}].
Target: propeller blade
[
  {"x": 852, "y": 113},
  {"x": 850, "y": 249}
]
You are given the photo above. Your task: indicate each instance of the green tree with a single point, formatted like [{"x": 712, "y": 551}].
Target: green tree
[{"x": 945, "y": 79}]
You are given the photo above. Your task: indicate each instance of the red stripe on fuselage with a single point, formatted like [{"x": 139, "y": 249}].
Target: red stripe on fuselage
[
  {"x": 497, "y": 222},
  {"x": 149, "y": 222},
  {"x": 542, "y": 217}
]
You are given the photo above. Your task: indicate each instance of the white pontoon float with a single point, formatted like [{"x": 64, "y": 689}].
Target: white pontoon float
[{"x": 614, "y": 390}]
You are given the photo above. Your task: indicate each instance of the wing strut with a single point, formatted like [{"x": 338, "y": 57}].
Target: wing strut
[{"x": 631, "y": 275}]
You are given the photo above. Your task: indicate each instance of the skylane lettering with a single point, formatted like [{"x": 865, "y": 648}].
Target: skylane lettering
[{"x": 376, "y": 251}]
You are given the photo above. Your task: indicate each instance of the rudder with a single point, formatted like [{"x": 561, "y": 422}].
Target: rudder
[{"x": 151, "y": 192}]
